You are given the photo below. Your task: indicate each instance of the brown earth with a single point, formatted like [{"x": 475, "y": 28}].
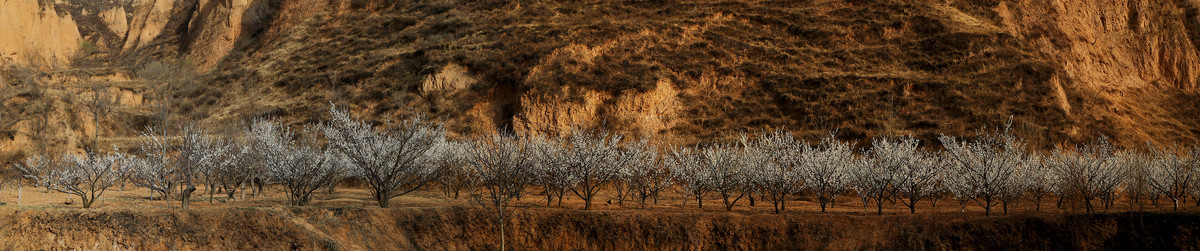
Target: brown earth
[{"x": 124, "y": 219}]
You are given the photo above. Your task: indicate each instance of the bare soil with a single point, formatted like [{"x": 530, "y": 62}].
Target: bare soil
[{"x": 125, "y": 219}]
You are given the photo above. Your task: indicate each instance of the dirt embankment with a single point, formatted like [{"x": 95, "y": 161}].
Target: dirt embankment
[{"x": 465, "y": 228}]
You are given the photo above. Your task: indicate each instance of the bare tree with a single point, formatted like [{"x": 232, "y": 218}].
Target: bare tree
[
  {"x": 593, "y": 159},
  {"x": 915, "y": 171},
  {"x": 646, "y": 174},
  {"x": 826, "y": 168},
  {"x": 501, "y": 164},
  {"x": 100, "y": 104},
  {"x": 157, "y": 170},
  {"x": 1039, "y": 180},
  {"x": 549, "y": 167},
  {"x": 724, "y": 172},
  {"x": 985, "y": 166},
  {"x": 1171, "y": 171},
  {"x": 197, "y": 152},
  {"x": 686, "y": 165},
  {"x": 777, "y": 175},
  {"x": 87, "y": 176},
  {"x": 300, "y": 168},
  {"x": 164, "y": 80},
  {"x": 393, "y": 161},
  {"x": 451, "y": 164}
]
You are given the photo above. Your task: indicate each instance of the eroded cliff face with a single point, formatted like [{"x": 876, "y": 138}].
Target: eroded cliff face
[
  {"x": 563, "y": 108},
  {"x": 1119, "y": 68},
  {"x": 1134, "y": 55},
  {"x": 35, "y": 33}
]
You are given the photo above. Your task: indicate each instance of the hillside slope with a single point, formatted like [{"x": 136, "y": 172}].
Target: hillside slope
[
  {"x": 696, "y": 70},
  {"x": 684, "y": 71}
]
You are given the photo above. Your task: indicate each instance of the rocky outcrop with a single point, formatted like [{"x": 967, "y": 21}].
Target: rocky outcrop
[
  {"x": 217, "y": 26},
  {"x": 1111, "y": 45},
  {"x": 116, "y": 20},
  {"x": 150, "y": 19},
  {"x": 1133, "y": 55},
  {"x": 34, "y": 33}
]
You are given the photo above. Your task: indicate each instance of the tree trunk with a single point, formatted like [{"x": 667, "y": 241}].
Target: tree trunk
[
  {"x": 587, "y": 201},
  {"x": 383, "y": 199},
  {"x": 186, "y": 196},
  {"x": 229, "y": 193},
  {"x": 86, "y": 203},
  {"x": 503, "y": 238},
  {"x": 879, "y": 205},
  {"x": 987, "y": 208}
]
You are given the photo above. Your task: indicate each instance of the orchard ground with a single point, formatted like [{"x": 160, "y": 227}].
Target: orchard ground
[
  {"x": 133, "y": 197},
  {"x": 349, "y": 220}
]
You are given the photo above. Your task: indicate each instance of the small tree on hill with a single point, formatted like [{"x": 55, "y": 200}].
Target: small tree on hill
[
  {"x": 594, "y": 159},
  {"x": 300, "y": 168},
  {"x": 157, "y": 170},
  {"x": 687, "y": 168},
  {"x": 1171, "y": 172},
  {"x": 778, "y": 174},
  {"x": 646, "y": 174},
  {"x": 985, "y": 166},
  {"x": 87, "y": 176},
  {"x": 826, "y": 168},
  {"x": 501, "y": 165},
  {"x": 393, "y": 161}
]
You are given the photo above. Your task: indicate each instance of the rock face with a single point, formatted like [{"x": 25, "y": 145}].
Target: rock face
[
  {"x": 1132, "y": 54},
  {"x": 1112, "y": 44},
  {"x": 33, "y": 33},
  {"x": 218, "y": 25},
  {"x": 117, "y": 21},
  {"x": 150, "y": 19}
]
